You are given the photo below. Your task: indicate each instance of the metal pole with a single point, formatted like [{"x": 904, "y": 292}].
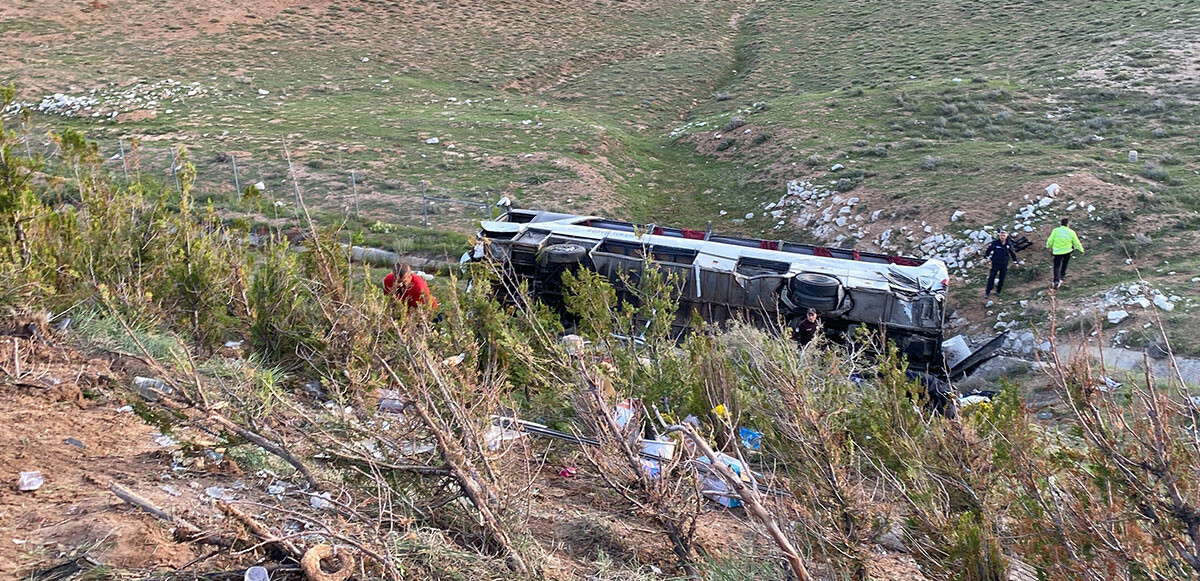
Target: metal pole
[
  {"x": 354, "y": 184},
  {"x": 124, "y": 164},
  {"x": 237, "y": 186},
  {"x": 174, "y": 174}
]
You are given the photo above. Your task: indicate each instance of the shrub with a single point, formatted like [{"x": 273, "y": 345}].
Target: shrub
[
  {"x": 1152, "y": 171},
  {"x": 931, "y": 162},
  {"x": 846, "y": 184},
  {"x": 725, "y": 144},
  {"x": 734, "y": 123}
]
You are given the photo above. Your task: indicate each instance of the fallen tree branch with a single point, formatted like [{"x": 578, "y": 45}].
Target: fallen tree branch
[
  {"x": 476, "y": 489},
  {"x": 184, "y": 529},
  {"x": 750, "y": 498},
  {"x": 267, "y": 445},
  {"x": 262, "y": 532}
]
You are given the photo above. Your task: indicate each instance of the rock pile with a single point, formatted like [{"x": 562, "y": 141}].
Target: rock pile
[
  {"x": 837, "y": 218},
  {"x": 109, "y": 102},
  {"x": 1140, "y": 295}
]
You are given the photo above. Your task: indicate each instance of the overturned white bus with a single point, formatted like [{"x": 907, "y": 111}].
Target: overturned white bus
[{"x": 768, "y": 282}]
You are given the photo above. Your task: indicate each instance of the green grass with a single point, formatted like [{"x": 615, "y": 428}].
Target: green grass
[{"x": 607, "y": 107}]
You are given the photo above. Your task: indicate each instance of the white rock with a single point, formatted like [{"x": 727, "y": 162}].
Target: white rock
[
  {"x": 836, "y": 167},
  {"x": 1091, "y": 208},
  {"x": 1052, "y": 189},
  {"x": 1042, "y": 203},
  {"x": 432, "y": 141},
  {"x": 1163, "y": 303},
  {"x": 928, "y": 229},
  {"x": 750, "y": 216},
  {"x": 263, "y": 92},
  {"x": 1141, "y": 302},
  {"x": 875, "y": 216},
  {"x": 841, "y": 221},
  {"x": 956, "y": 215},
  {"x": 844, "y": 210},
  {"x": 1115, "y": 317}
]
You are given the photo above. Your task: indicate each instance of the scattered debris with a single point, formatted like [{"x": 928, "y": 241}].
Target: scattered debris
[
  {"x": 257, "y": 573},
  {"x": 151, "y": 389},
  {"x": 218, "y": 493},
  {"x": 311, "y": 563},
  {"x": 321, "y": 501},
  {"x": 30, "y": 481}
]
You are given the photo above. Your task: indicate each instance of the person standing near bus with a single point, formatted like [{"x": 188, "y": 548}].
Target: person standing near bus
[{"x": 1062, "y": 243}]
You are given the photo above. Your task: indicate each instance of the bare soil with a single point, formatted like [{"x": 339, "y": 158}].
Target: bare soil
[{"x": 65, "y": 418}]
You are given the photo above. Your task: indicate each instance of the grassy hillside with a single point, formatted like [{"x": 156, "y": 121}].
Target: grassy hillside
[{"x": 668, "y": 111}]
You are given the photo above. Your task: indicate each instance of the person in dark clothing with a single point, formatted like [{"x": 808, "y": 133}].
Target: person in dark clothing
[
  {"x": 806, "y": 329},
  {"x": 939, "y": 395},
  {"x": 1001, "y": 252}
]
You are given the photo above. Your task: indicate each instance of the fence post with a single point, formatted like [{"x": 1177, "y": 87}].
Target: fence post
[
  {"x": 487, "y": 197},
  {"x": 424, "y": 206},
  {"x": 27, "y": 128},
  {"x": 124, "y": 164},
  {"x": 174, "y": 174},
  {"x": 354, "y": 185},
  {"x": 296, "y": 186},
  {"x": 237, "y": 185}
]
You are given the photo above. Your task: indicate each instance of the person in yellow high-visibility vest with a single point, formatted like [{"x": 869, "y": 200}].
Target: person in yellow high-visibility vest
[{"x": 1062, "y": 242}]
